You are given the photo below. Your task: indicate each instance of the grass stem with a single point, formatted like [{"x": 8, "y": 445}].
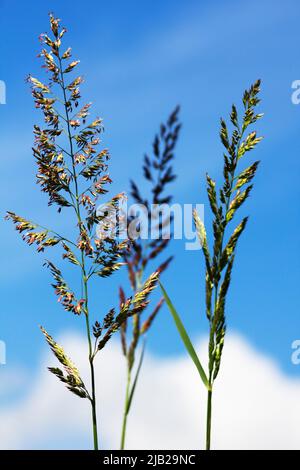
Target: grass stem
[
  {"x": 208, "y": 419},
  {"x": 94, "y": 410},
  {"x": 124, "y": 425}
]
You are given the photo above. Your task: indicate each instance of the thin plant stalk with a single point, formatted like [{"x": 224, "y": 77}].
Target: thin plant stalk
[
  {"x": 224, "y": 205},
  {"x": 125, "y": 414},
  {"x": 208, "y": 418},
  {"x": 130, "y": 389},
  {"x": 92, "y": 370}
]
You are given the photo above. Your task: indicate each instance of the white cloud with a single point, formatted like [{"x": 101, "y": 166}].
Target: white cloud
[{"x": 255, "y": 405}]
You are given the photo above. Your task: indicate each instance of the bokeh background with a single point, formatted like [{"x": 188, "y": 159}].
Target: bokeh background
[{"x": 140, "y": 59}]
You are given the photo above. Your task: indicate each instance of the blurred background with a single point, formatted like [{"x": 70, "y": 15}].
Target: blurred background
[{"x": 139, "y": 60}]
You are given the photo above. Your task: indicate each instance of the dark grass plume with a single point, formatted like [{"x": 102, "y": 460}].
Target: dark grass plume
[{"x": 158, "y": 173}]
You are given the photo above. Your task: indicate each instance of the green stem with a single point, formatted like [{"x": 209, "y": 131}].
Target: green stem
[
  {"x": 91, "y": 361},
  {"x": 124, "y": 425},
  {"x": 208, "y": 419},
  {"x": 136, "y": 336},
  {"x": 94, "y": 410}
]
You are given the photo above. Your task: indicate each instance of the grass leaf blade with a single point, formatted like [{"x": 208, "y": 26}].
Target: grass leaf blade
[{"x": 185, "y": 338}]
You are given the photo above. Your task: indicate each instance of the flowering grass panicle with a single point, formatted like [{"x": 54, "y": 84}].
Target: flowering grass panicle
[{"x": 73, "y": 172}]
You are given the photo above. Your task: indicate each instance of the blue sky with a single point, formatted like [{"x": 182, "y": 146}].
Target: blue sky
[{"x": 140, "y": 59}]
